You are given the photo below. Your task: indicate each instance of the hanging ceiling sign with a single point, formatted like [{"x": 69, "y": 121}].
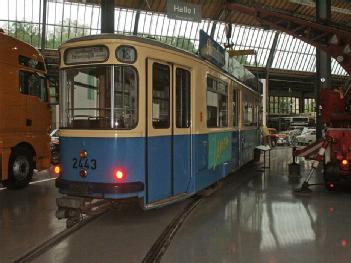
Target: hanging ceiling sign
[
  {"x": 211, "y": 50},
  {"x": 183, "y": 11}
]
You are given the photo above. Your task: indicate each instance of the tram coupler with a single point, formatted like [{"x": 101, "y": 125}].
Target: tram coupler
[
  {"x": 69, "y": 207},
  {"x": 74, "y": 208}
]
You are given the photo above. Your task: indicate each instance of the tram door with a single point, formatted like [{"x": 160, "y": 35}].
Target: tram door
[{"x": 168, "y": 130}]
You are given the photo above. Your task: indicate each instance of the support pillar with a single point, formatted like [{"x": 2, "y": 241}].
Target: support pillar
[
  {"x": 107, "y": 16},
  {"x": 268, "y": 67},
  {"x": 136, "y": 23},
  {"x": 265, "y": 101},
  {"x": 302, "y": 103},
  {"x": 323, "y": 64},
  {"x": 43, "y": 31}
]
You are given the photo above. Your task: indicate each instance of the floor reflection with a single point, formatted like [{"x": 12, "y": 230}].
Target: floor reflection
[
  {"x": 262, "y": 220},
  {"x": 27, "y": 218}
]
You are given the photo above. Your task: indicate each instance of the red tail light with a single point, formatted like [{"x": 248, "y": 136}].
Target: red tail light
[
  {"x": 120, "y": 175},
  {"x": 343, "y": 243},
  {"x": 83, "y": 173}
]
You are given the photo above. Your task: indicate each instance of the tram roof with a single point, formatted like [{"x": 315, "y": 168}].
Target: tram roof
[{"x": 153, "y": 42}]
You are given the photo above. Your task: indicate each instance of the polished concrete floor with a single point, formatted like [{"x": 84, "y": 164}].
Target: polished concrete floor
[
  {"x": 263, "y": 220},
  {"x": 27, "y": 217},
  {"x": 253, "y": 217}
]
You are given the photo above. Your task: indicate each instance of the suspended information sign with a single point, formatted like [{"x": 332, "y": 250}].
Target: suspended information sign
[
  {"x": 211, "y": 50},
  {"x": 183, "y": 11}
]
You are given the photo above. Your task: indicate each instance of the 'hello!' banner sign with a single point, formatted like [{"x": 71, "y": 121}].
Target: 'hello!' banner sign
[{"x": 183, "y": 11}]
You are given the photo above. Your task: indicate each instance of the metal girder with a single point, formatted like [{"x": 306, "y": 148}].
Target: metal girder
[
  {"x": 137, "y": 17},
  {"x": 220, "y": 16},
  {"x": 107, "y": 16},
  {"x": 136, "y": 23},
  {"x": 336, "y": 42},
  {"x": 272, "y": 51}
]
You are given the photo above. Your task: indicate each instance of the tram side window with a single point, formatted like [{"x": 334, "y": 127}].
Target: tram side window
[
  {"x": 32, "y": 84},
  {"x": 183, "y": 98},
  {"x": 126, "y": 98},
  {"x": 250, "y": 115},
  {"x": 236, "y": 104},
  {"x": 256, "y": 113},
  {"x": 217, "y": 103},
  {"x": 160, "y": 96}
]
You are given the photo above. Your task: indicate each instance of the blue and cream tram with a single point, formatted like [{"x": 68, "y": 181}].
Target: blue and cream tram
[{"x": 142, "y": 119}]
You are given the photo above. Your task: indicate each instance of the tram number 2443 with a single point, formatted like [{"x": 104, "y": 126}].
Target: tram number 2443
[{"x": 84, "y": 163}]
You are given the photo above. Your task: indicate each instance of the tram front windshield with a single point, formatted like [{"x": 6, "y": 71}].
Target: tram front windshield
[{"x": 100, "y": 97}]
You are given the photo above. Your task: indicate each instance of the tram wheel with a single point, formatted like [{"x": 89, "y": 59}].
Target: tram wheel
[
  {"x": 20, "y": 168},
  {"x": 72, "y": 221},
  {"x": 331, "y": 175}
]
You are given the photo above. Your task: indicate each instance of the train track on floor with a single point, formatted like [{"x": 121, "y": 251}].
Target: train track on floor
[
  {"x": 162, "y": 243},
  {"x": 156, "y": 251},
  {"x": 154, "y": 254},
  {"x": 48, "y": 244}
]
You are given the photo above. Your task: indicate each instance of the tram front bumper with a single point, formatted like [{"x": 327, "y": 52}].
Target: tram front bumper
[{"x": 87, "y": 188}]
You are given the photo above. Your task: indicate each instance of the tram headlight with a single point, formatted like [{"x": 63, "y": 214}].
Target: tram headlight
[{"x": 120, "y": 174}]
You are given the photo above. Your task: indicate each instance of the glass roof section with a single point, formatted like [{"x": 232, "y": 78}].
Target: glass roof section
[{"x": 65, "y": 20}]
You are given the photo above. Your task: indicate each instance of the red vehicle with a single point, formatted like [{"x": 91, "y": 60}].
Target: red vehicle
[
  {"x": 277, "y": 138},
  {"x": 337, "y": 117},
  {"x": 336, "y": 106}
]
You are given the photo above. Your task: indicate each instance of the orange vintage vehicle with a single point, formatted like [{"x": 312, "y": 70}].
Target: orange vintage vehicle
[{"x": 24, "y": 112}]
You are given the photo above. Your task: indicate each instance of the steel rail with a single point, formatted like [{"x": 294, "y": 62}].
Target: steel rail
[
  {"x": 51, "y": 242},
  {"x": 162, "y": 243}
]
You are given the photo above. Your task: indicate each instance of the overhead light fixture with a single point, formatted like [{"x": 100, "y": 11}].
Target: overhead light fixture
[
  {"x": 334, "y": 40},
  {"x": 347, "y": 49}
]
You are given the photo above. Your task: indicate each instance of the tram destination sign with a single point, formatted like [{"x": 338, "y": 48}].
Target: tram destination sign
[
  {"x": 211, "y": 50},
  {"x": 183, "y": 11},
  {"x": 91, "y": 54}
]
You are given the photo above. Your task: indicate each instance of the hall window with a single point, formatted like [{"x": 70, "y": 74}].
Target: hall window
[
  {"x": 309, "y": 105},
  {"x": 250, "y": 111},
  {"x": 284, "y": 105},
  {"x": 32, "y": 84}
]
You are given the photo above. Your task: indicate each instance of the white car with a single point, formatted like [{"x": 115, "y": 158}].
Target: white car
[{"x": 307, "y": 137}]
